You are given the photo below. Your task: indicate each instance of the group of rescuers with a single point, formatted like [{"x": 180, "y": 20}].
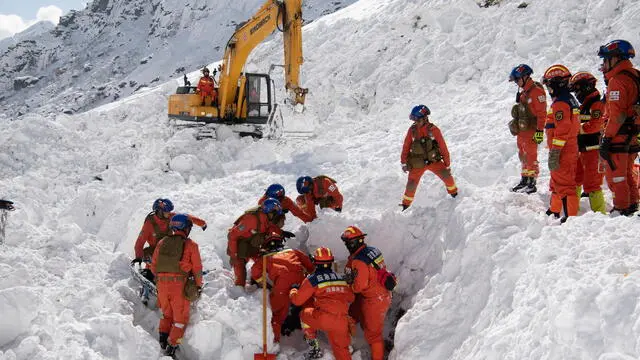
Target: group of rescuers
[
  {"x": 586, "y": 137},
  {"x": 304, "y": 290}
]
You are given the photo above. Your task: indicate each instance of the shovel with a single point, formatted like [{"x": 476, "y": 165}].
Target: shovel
[{"x": 264, "y": 355}]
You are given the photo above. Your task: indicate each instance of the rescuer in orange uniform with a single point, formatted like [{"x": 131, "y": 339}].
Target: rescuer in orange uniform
[
  {"x": 562, "y": 127},
  {"x": 424, "y": 149},
  {"x": 285, "y": 267},
  {"x": 207, "y": 87},
  {"x": 325, "y": 297},
  {"x": 583, "y": 85},
  {"x": 529, "y": 114},
  {"x": 276, "y": 191},
  {"x": 320, "y": 190},
  {"x": 619, "y": 145},
  {"x": 372, "y": 298},
  {"x": 155, "y": 227},
  {"x": 248, "y": 234},
  {"x": 175, "y": 258}
]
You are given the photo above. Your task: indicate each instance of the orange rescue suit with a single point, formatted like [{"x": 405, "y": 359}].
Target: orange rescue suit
[
  {"x": 325, "y": 298},
  {"x": 284, "y": 268},
  {"x": 534, "y": 97},
  {"x": 244, "y": 240},
  {"x": 440, "y": 168},
  {"x": 372, "y": 298},
  {"x": 622, "y": 94},
  {"x": 324, "y": 192},
  {"x": 591, "y": 119},
  {"x": 207, "y": 87},
  {"x": 170, "y": 286},
  {"x": 562, "y": 128}
]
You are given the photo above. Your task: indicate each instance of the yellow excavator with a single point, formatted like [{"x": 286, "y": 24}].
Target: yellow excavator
[{"x": 246, "y": 101}]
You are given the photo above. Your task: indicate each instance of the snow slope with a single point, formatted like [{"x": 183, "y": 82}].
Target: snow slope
[{"x": 482, "y": 276}]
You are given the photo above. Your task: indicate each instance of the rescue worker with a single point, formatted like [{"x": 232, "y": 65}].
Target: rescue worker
[
  {"x": 277, "y": 192},
  {"x": 424, "y": 149},
  {"x": 325, "y": 297},
  {"x": 285, "y": 267},
  {"x": 619, "y": 145},
  {"x": 248, "y": 234},
  {"x": 207, "y": 88},
  {"x": 155, "y": 227},
  {"x": 372, "y": 298},
  {"x": 529, "y": 114},
  {"x": 320, "y": 190},
  {"x": 583, "y": 85},
  {"x": 175, "y": 259},
  {"x": 562, "y": 129}
]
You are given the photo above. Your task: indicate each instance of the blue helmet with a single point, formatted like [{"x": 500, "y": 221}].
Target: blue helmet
[
  {"x": 180, "y": 222},
  {"x": 520, "y": 71},
  {"x": 275, "y": 191},
  {"x": 270, "y": 205},
  {"x": 304, "y": 184},
  {"x": 419, "y": 112},
  {"x": 164, "y": 205},
  {"x": 619, "y": 48}
]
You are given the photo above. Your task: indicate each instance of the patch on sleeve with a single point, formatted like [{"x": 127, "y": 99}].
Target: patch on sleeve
[
  {"x": 559, "y": 115},
  {"x": 614, "y": 95},
  {"x": 596, "y": 114},
  {"x": 542, "y": 98},
  {"x": 241, "y": 227}
]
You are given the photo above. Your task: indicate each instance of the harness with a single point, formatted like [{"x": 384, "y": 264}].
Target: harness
[
  {"x": 170, "y": 254},
  {"x": 251, "y": 245},
  {"x": 588, "y": 142},
  {"x": 526, "y": 120},
  {"x": 423, "y": 150}
]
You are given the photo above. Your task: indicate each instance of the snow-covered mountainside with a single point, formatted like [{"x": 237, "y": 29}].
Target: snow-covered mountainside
[
  {"x": 113, "y": 48},
  {"x": 483, "y": 276}
]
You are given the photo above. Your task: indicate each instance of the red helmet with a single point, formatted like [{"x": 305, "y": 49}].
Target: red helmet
[
  {"x": 556, "y": 74},
  {"x": 582, "y": 79},
  {"x": 322, "y": 255},
  {"x": 352, "y": 233},
  {"x": 273, "y": 242}
]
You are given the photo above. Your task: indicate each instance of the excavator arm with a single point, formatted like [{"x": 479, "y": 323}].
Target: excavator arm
[{"x": 284, "y": 15}]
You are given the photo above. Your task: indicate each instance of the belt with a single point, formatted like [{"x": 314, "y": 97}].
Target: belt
[{"x": 171, "y": 278}]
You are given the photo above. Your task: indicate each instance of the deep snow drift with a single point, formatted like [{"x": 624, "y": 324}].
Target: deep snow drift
[{"x": 482, "y": 276}]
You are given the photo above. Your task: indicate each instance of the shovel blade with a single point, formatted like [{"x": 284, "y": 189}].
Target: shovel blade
[{"x": 264, "y": 356}]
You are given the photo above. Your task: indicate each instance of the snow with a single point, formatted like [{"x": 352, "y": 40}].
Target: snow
[{"x": 483, "y": 276}]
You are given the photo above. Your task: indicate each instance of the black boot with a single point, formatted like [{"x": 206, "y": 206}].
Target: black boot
[
  {"x": 404, "y": 207},
  {"x": 171, "y": 350},
  {"x": 523, "y": 182},
  {"x": 314, "y": 349},
  {"x": 454, "y": 194},
  {"x": 163, "y": 340},
  {"x": 531, "y": 186},
  {"x": 555, "y": 214}
]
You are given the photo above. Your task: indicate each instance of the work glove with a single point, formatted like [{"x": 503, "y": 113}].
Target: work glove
[
  {"x": 285, "y": 211},
  {"x": 136, "y": 260},
  {"x": 295, "y": 286},
  {"x": 405, "y": 168},
  {"x": 605, "y": 148},
  {"x": 199, "y": 291},
  {"x": 537, "y": 136},
  {"x": 350, "y": 276},
  {"x": 204, "y": 227},
  {"x": 288, "y": 234},
  {"x": 338, "y": 209},
  {"x": 554, "y": 159}
]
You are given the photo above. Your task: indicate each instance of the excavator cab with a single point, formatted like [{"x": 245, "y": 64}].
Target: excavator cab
[{"x": 258, "y": 98}]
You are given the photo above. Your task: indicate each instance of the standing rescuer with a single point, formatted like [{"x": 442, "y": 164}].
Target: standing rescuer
[
  {"x": 175, "y": 259},
  {"x": 424, "y": 149},
  {"x": 583, "y": 85},
  {"x": 207, "y": 88},
  {"x": 373, "y": 299},
  {"x": 527, "y": 125},
  {"x": 562, "y": 128},
  {"x": 619, "y": 144}
]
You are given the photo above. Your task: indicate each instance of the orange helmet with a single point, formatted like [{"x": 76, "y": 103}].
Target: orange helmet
[
  {"x": 582, "y": 80},
  {"x": 556, "y": 74},
  {"x": 323, "y": 255},
  {"x": 353, "y": 238},
  {"x": 273, "y": 242}
]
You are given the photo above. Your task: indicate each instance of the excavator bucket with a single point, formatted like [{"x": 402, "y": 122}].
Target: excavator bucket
[{"x": 264, "y": 356}]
